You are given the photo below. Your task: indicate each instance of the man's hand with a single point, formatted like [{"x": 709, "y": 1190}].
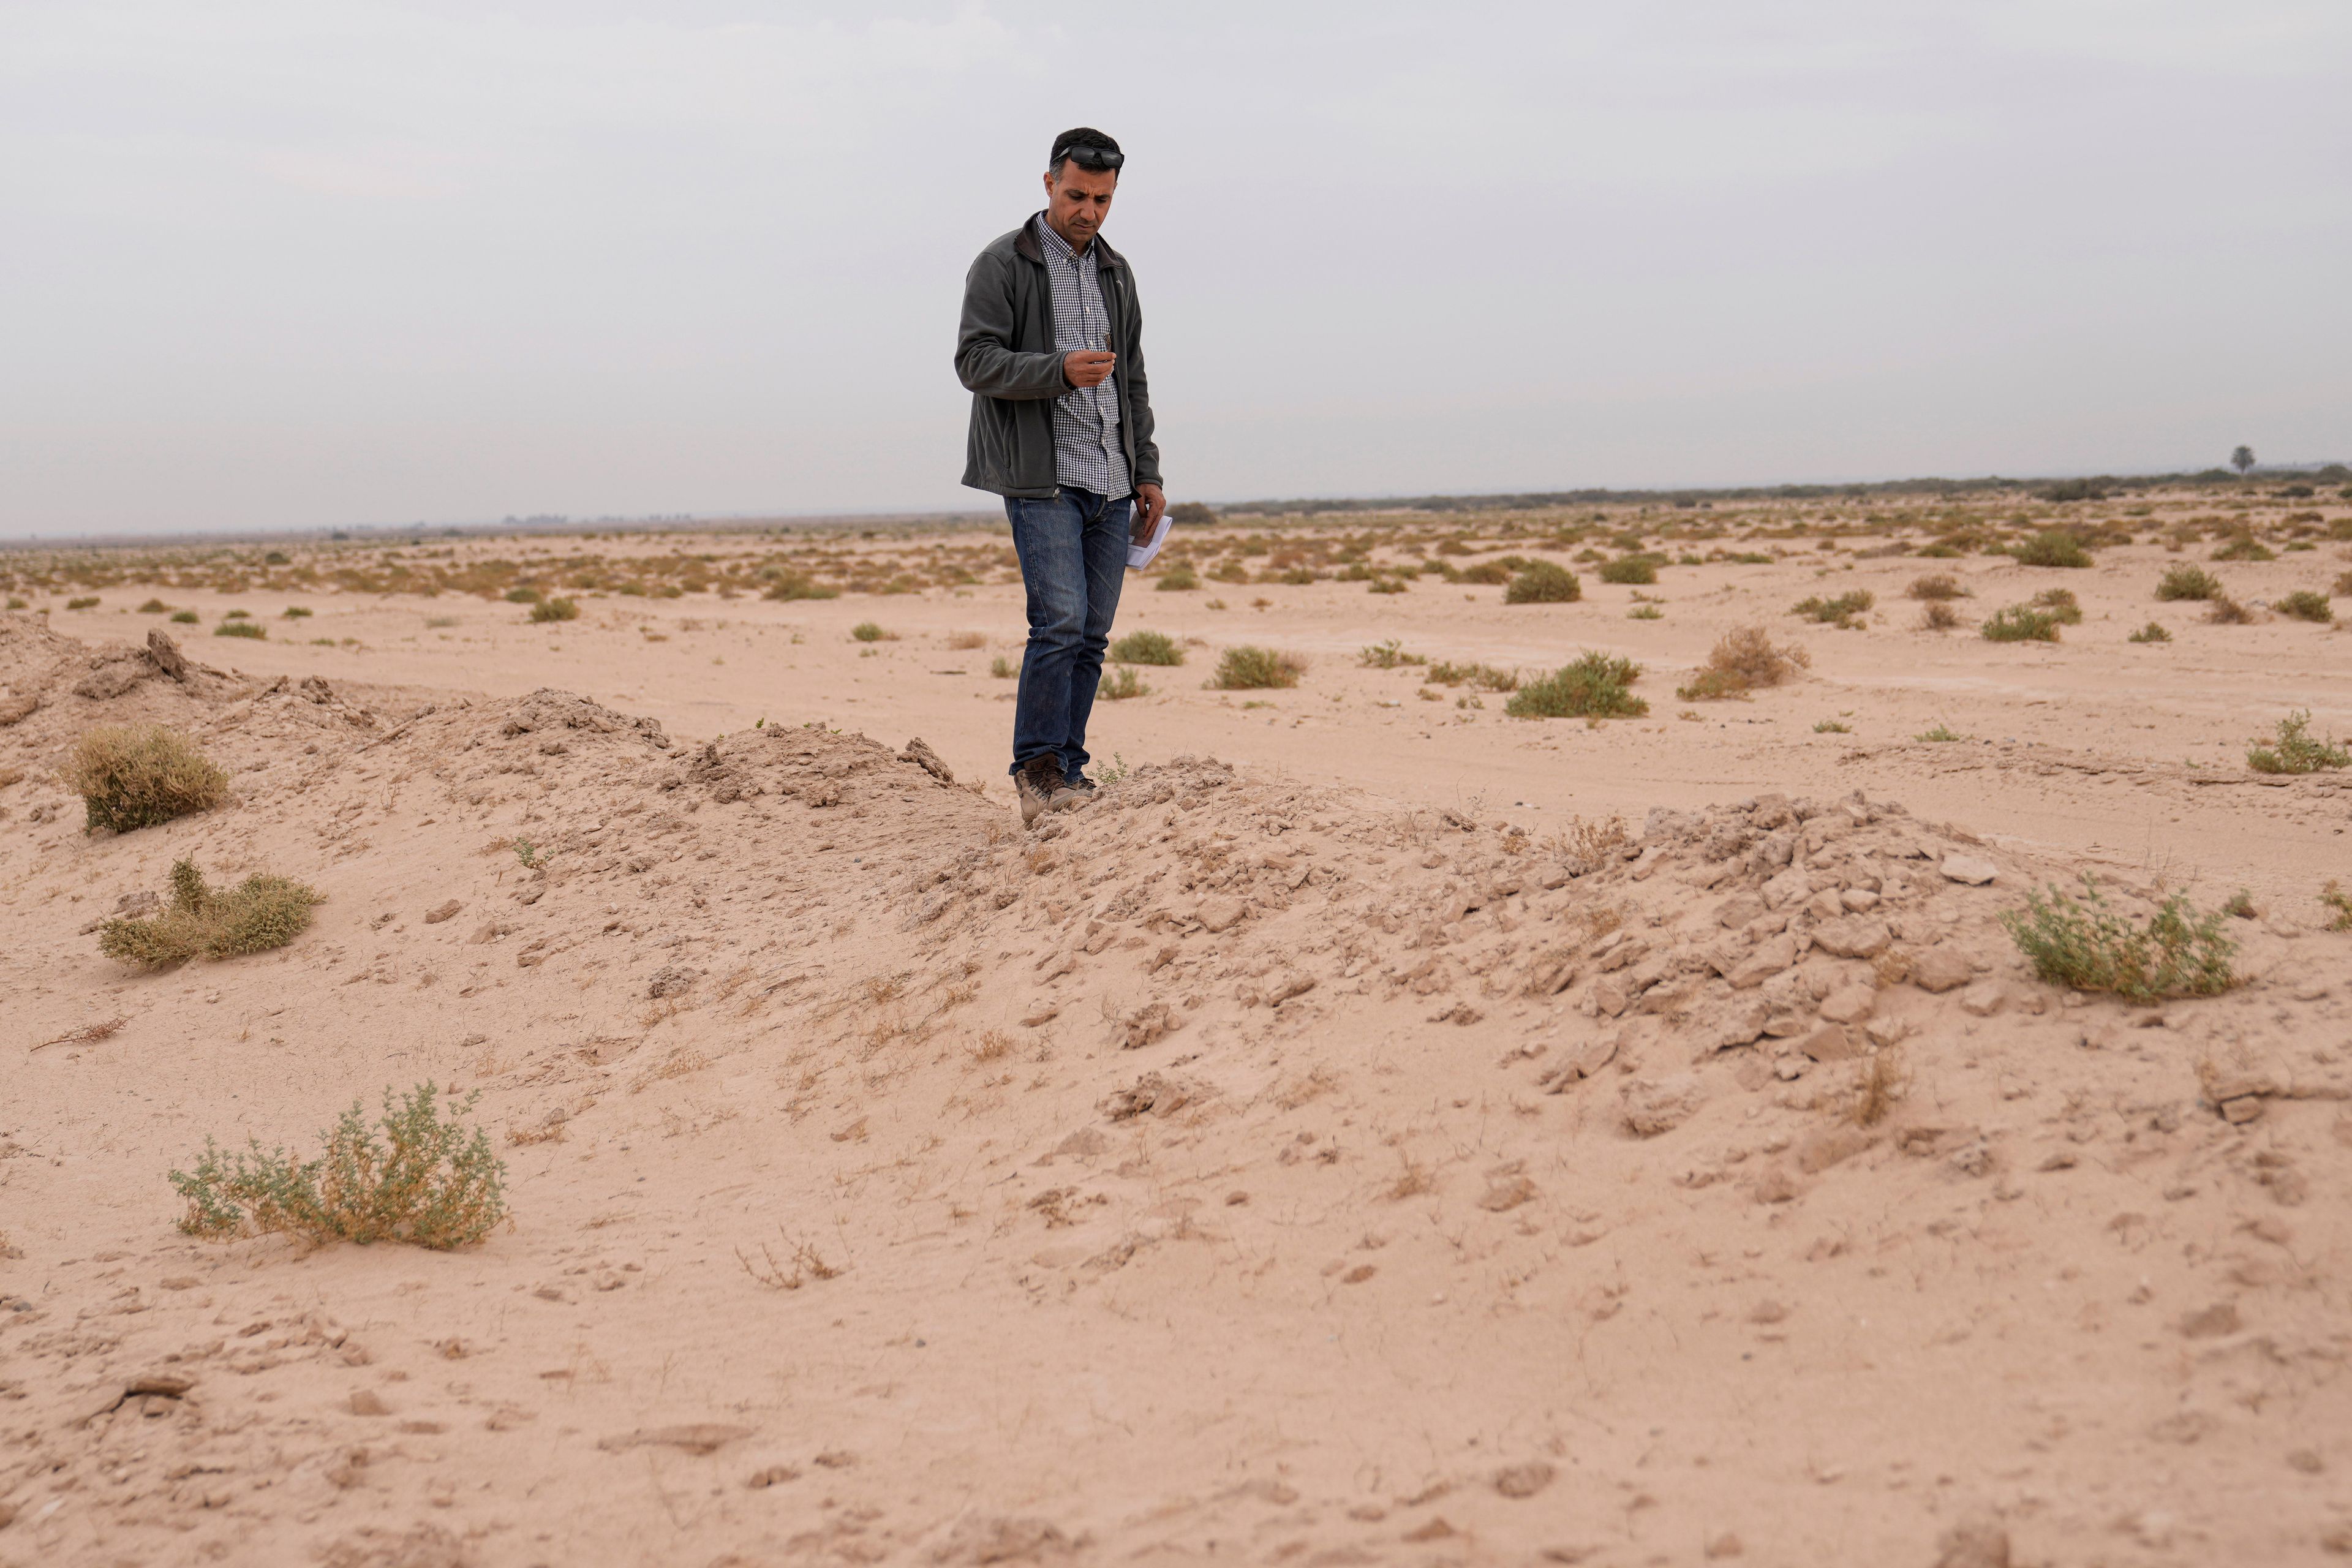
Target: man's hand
[
  {"x": 1088, "y": 367},
  {"x": 1147, "y": 515}
]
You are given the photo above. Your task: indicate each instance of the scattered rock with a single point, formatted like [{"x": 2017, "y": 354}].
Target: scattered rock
[
  {"x": 1830, "y": 1043},
  {"x": 701, "y": 1438},
  {"x": 2210, "y": 1323},
  {"x": 1972, "y": 871},
  {"x": 1854, "y": 936},
  {"x": 918, "y": 753},
  {"x": 1524, "y": 1480},
  {"x": 1984, "y": 999},
  {"x": 1652, "y": 1105},
  {"x": 1768, "y": 958},
  {"x": 1940, "y": 969},
  {"x": 674, "y": 981},
  {"x": 982, "y": 1540},
  {"x": 434, "y": 916},
  {"x": 1222, "y": 914},
  {"x": 1849, "y": 1004}
]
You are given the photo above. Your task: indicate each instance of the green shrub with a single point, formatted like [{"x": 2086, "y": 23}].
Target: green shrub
[
  {"x": 257, "y": 914},
  {"x": 1181, "y": 578},
  {"x": 1387, "y": 656},
  {"x": 133, "y": 776},
  {"x": 2086, "y": 945},
  {"x": 241, "y": 629},
  {"x": 1838, "y": 612},
  {"x": 1488, "y": 573},
  {"x": 1388, "y": 585},
  {"x": 2245, "y": 547},
  {"x": 1941, "y": 733},
  {"x": 783, "y": 582},
  {"x": 1116, "y": 687},
  {"x": 277, "y": 558},
  {"x": 1002, "y": 667},
  {"x": 1832, "y": 727},
  {"x": 2152, "y": 632},
  {"x": 2185, "y": 581},
  {"x": 414, "y": 1177},
  {"x": 88, "y": 603},
  {"x": 1546, "y": 583},
  {"x": 2021, "y": 623},
  {"x": 1595, "y": 687},
  {"x": 2061, "y": 605},
  {"x": 1147, "y": 648},
  {"x": 554, "y": 610},
  {"x": 870, "y": 631},
  {"x": 153, "y": 607},
  {"x": 2339, "y": 903},
  {"x": 523, "y": 596},
  {"x": 296, "y": 613},
  {"x": 2293, "y": 751},
  {"x": 2055, "y": 547},
  {"x": 2304, "y": 606},
  {"x": 236, "y": 615},
  {"x": 1637, "y": 569},
  {"x": 186, "y": 618},
  {"x": 1485, "y": 676},
  {"x": 1248, "y": 669}
]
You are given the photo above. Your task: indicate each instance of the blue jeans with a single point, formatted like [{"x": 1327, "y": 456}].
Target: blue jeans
[{"x": 1073, "y": 551}]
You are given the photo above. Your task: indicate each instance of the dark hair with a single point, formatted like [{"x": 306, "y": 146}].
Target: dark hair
[{"x": 1068, "y": 141}]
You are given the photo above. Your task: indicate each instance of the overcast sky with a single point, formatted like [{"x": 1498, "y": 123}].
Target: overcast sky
[{"x": 315, "y": 262}]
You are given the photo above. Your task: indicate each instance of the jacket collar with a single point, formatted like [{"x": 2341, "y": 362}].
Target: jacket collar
[{"x": 1025, "y": 244}]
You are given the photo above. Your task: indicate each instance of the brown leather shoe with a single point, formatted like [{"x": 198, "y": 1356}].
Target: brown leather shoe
[{"x": 1040, "y": 787}]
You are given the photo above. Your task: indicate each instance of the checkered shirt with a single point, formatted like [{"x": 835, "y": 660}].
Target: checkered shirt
[{"x": 1087, "y": 451}]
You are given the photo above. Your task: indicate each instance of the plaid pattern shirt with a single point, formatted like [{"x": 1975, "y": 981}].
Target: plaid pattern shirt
[{"x": 1087, "y": 452}]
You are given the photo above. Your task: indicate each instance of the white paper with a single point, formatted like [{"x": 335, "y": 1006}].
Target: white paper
[{"x": 1139, "y": 557}]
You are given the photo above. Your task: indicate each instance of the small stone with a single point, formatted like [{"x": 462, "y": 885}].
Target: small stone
[
  {"x": 1971, "y": 870},
  {"x": 2210, "y": 1323},
  {"x": 1222, "y": 914},
  {"x": 1857, "y": 901},
  {"x": 1739, "y": 911},
  {"x": 1849, "y": 1004},
  {"x": 2244, "y": 1109},
  {"x": 433, "y": 917},
  {"x": 1983, "y": 1000},
  {"x": 1652, "y": 1106},
  {"x": 1725, "y": 1545},
  {"x": 1854, "y": 936},
  {"x": 1524, "y": 1481},
  {"x": 1830, "y": 1043},
  {"x": 1768, "y": 958},
  {"x": 368, "y": 1402},
  {"x": 2307, "y": 1460},
  {"x": 1789, "y": 888},
  {"x": 1940, "y": 969}
]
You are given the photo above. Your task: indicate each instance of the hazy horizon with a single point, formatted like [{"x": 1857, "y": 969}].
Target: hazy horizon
[{"x": 343, "y": 265}]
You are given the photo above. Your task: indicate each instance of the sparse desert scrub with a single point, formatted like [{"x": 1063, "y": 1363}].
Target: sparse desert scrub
[
  {"x": 131, "y": 776},
  {"x": 2086, "y": 945},
  {"x": 1595, "y": 687},
  {"x": 2343, "y": 585},
  {"x": 1545, "y": 582},
  {"x": 2152, "y": 632},
  {"x": 1635, "y": 569},
  {"x": 783, "y": 582},
  {"x": 1937, "y": 615},
  {"x": 1742, "y": 659},
  {"x": 555, "y": 610},
  {"x": 871, "y": 631},
  {"x": 2021, "y": 623},
  {"x": 2061, "y": 603},
  {"x": 2292, "y": 750},
  {"x": 1003, "y": 668},
  {"x": 2338, "y": 904},
  {"x": 1838, "y": 612},
  {"x": 185, "y": 617},
  {"x": 1940, "y": 732},
  {"x": 153, "y": 607},
  {"x": 2245, "y": 547},
  {"x": 87, "y": 602},
  {"x": 2225, "y": 611},
  {"x": 296, "y": 612},
  {"x": 418, "y": 1175},
  {"x": 523, "y": 594},
  {"x": 1147, "y": 648},
  {"x": 1118, "y": 687},
  {"x": 1937, "y": 585},
  {"x": 1180, "y": 578},
  {"x": 961, "y": 640},
  {"x": 1484, "y": 676},
  {"x": 2054, "y": 547},
  {"x": 1388, "y": 655},
  {"x": 2305, "y": 606},
  {"x": 257, "y": 914},
  {"x": 241, "y": 629},
  {"x": 2185, "y": 581},
  {"x": 1248, "y": 669}
]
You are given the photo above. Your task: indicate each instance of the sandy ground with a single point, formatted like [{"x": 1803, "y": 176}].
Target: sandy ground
[{"x": 1329, "y": 1146}]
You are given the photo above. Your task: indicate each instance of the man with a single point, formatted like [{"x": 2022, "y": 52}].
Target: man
[{"x": 1052, "y": 351}]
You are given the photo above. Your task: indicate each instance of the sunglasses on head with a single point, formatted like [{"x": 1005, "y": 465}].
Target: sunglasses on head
[{"x": 1099, "y": 159}]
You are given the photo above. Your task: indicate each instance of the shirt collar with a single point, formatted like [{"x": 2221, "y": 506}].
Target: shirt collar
[{"x": 1050, "y": 238}]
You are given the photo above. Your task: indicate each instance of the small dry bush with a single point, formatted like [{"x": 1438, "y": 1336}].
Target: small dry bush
[
  {"x": 1248, "y": 669},
  {"x": 555, "y": 610},
  {"x": 2054, "y": 548},
  {"x": 2339, "y": 905},
  {"x": 1120, "y": 686},
  {"x": 967, "y": 639},
  {"x": 783, "y": 582},
  {"x": 1937, "y": 585},
  {"x": 1180, "y": 578},
  {"x": 2021, "y": 623},
  {"x": 523, "y": 596},
  {"x": 1938, "y": 616},
  {"x": 871, "y": 631},
  {"x": 1002, "y": 668},
  {"x": 2305, "y": 606},
  {"x": 257, "y": 914},
  {"x": 416, "y": 1176},
  {"x": 2186, "y": 581},
  {"x": 136, "y": 775},
  {"x": 1485, "y": 677},
  {"x": 1147, "y": 648},
  {"x": 1595, "y": 687},
  {"x": 2086, "y": 945},
  {"x": 2062, "y": 606},
  {"x": 1388, "y": 655},
  {"x": 1838, "y": 612},
  {"x": 2152, "y": 632},
  {"x": 1635, "y": 569},
  {"x": 2292, "y": 750},
  {"x": 1742, "y": 659},
  {"x": 2343, "y": 585},
  {"x": 2226, "y": 611},
  {"x": 2245, "y": 547},
  {"x": 153, "y": 607},
  {"x": 1548, "y": 582},
  {"x": 241, "y": 629}
]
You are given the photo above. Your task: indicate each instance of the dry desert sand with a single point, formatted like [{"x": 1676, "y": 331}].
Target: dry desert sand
[{"x": 1339, "y": 1143}]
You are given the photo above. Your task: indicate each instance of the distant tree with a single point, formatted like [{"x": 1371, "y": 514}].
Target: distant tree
[
  {"x": 1191, "y": 512},
  {"x": 2243, "y": 459}
]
